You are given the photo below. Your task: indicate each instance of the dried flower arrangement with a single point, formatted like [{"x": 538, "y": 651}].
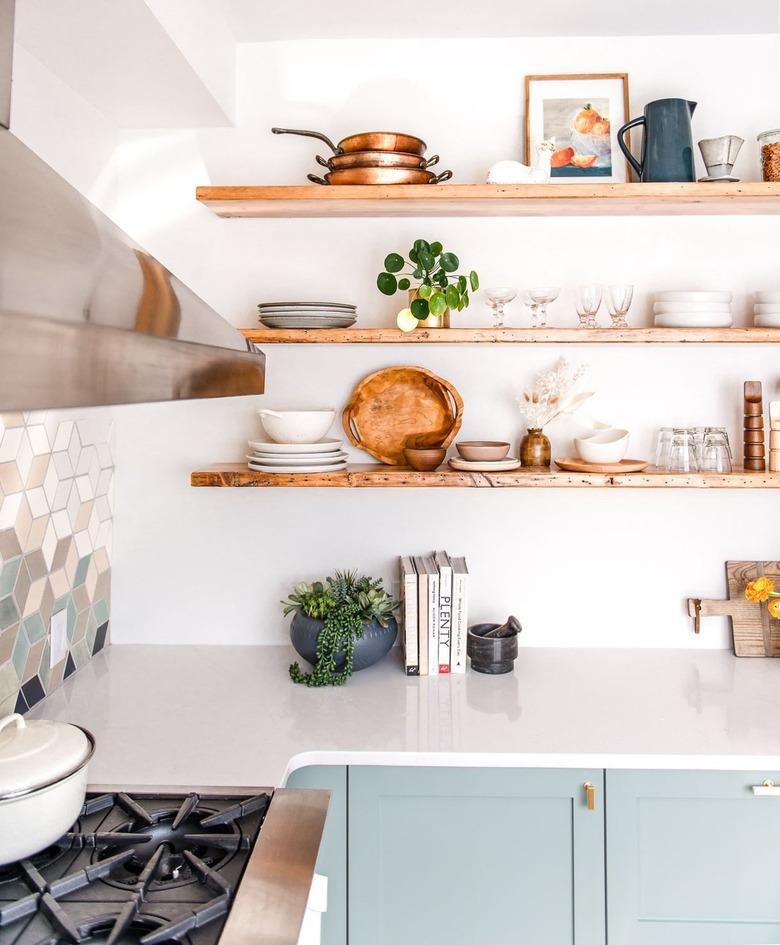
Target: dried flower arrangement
[{"x": 553, "y": 394}]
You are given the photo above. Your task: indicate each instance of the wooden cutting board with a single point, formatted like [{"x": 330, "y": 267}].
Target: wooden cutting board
[
  {"x": 395, "y": 405},
  {"x": 755, "y": 632}
]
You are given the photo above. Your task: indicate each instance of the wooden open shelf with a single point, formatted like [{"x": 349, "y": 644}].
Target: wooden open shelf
[
  {"x": 488, "y": 200},
  {"x": 375, "y": 475},
  {"x": 502, "y": 336}
]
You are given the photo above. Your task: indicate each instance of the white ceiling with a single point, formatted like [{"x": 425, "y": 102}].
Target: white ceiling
[{"x": 265, "y": 20}]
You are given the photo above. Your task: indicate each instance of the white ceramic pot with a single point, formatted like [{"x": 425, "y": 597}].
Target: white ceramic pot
[
  {"x": 296, "y": 426},
  {"x": 43, "y": 782},
  {"x": 603, "y": 446}
]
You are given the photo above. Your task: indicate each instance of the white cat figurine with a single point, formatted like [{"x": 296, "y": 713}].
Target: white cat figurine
[{"x": 513, "y": 172}]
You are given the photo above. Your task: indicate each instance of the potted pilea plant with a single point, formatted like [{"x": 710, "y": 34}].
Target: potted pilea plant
[
  {"x": 432, "y": 279},
  {"x": 341, "y": 625}
]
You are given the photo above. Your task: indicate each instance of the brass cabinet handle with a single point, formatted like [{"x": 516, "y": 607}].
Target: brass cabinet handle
[
  {"x": 767, "y": 788},
  {"x": 590, "y": 794}
]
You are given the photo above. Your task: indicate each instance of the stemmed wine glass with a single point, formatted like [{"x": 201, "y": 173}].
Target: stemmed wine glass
[
  {"x": 619, "y": 302},
  {"x": 538, "y": 298},
  {"x": 497, "y": 298},
  {"x": 588, "y": 303}
]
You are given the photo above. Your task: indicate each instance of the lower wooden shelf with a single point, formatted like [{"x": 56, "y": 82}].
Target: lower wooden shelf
[{"x": 377, "y": 476}]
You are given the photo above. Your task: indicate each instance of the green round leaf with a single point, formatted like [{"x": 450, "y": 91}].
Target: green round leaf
[
  {"x": 441, "y": 278},
  {"x": 474, "y": 280},
  {"x": 417, "y": 274},
  {"x": 420, "y": 309},
  {"x": 466, "y": 300},
  {"x": 452, "y": 296},
  {"x": 394, "y": 262},
  {"x": 425, "y": 291},
  {"x": 427, "y": 260},
  {"x": 413, "y": 255},
  {"x": 421, "y": 246},
  {"x": 404, "y": 284},
  {"x": 436, "y": 248},
  {"x": 386, "y": 283},
  {"x": 438, "y": 303},
  {"x": 462, "y": 283},
  {"x": 449, "y": 262},
  {"x": 461, "y": 305}
]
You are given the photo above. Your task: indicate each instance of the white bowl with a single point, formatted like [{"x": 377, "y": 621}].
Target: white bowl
[
  {"x": 694, "y": 320},
  {"x": 767, "y": 321},
  {"x": 769, "y": 295},
  {"x": 672, "y": 308},
  {"x": 682, "y": 295},
  {"x": 766, "y": 308},
  {"x": 296, "y": 426},
  {"x": 602, "y": 446}
]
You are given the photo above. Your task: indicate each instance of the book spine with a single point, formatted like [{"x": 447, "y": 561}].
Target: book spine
[
  {"x": 433, "y": 622},
  {"x": 445, "y": 615},
  {"x": 422, "y": 617},
  {"x": 459, "y": 622},
  {"x": 409, "y": 579}
]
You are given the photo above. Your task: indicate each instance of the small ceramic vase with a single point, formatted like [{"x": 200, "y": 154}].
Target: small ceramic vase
[{"x": 535, "y": 449}]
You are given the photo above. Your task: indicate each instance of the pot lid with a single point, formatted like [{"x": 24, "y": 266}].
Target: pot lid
[{"x": 35, "y": 754}]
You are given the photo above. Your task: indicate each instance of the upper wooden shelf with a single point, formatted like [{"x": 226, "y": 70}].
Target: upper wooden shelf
[
  {"x": 479, "y": 336},
  {"x": 488, "y": 200},
  {"x": 379, "y": 476}
]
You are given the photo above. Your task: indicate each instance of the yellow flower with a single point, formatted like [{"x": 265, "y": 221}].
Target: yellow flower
[
  {"x": 774, "y": 608},
  {"x": 760, "y": 590}
]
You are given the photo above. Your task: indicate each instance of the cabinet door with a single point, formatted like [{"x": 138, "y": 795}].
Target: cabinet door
[
  {"x": 475, "y": 856},
  {"x": 332, "y": 859},
  {"x": 692, "y": 858}
]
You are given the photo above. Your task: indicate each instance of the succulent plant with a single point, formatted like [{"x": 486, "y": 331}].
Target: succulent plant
[{"x": 433, "y": 275}]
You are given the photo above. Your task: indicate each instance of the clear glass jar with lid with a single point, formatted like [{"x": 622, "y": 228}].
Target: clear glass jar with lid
[{"x": 769, "y": 143}]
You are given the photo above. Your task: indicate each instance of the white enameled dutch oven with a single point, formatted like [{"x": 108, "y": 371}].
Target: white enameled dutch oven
[{"x": 43, "y": 782}]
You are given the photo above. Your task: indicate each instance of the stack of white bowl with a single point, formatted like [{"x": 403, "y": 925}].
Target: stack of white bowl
[
  {"x": 307, "y": 314},
  {"x": 766, "y": 311},
  {"x": 297, "y": 443},
  {"x": 692, "y": 309}
]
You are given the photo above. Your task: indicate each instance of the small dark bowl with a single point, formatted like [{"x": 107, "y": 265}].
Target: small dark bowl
[
  {"x": 494, "y": 655},
  {"x": 375, "y": 643}
]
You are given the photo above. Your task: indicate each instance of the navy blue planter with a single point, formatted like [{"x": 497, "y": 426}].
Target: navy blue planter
[{"x": 375, "y": 643}]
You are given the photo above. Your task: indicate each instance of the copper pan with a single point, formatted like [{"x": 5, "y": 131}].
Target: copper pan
[
  {"x": 368, "y": 141},
  {"x": 381, "y": 175},
  {"x": 376, "y": 159}
]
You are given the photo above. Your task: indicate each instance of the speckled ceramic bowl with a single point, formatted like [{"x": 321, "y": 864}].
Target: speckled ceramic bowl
[{"x": 482, "y": 451}]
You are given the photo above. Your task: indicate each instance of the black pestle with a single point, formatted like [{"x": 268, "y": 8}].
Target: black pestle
[{"x": 508, "y": 629}]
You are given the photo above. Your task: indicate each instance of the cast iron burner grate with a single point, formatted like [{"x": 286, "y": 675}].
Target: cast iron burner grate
[{"x": 134, "y": 871}]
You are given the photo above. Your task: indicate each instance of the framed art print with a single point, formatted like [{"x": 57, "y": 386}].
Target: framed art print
[{"x": 583, "y": 114}]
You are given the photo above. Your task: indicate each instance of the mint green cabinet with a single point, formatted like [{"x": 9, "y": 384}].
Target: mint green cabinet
[
  {"x": 332, "y": 859},
  {"x": 692, "y": 858},
  {"x": 475, "y": 856}
]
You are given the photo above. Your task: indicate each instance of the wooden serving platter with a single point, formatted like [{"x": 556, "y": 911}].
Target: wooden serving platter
[
  {"x": 394, "y": 406},
  {"x": 755, "y": 632},
  {"x": 572, "y": 464}
]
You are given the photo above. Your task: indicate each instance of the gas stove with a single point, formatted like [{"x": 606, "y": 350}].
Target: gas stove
[{"x": 152, "y": 868}]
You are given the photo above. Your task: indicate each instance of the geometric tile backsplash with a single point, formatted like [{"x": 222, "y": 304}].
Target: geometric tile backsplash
[{"x": 56, "y": 508}]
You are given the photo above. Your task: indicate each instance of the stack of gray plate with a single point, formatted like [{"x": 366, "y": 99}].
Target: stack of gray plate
[{"x": 307, "y": 314}]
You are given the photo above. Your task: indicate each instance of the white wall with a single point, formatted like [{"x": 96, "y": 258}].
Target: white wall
[{"x": 578, "y": 568}]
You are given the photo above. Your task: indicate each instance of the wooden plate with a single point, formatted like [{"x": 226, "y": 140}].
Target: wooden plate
[
  {"x": 391, "y": 406},
  {"x": 572, "y": 464}
]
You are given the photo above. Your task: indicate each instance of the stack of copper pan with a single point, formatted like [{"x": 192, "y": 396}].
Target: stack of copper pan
[{"x": 375, "y": 157}]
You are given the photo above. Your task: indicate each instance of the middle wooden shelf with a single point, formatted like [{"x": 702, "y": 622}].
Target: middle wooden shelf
[{"x": 503, "y": 336}]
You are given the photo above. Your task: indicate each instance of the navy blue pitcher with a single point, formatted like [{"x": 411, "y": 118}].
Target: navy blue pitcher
[{"x": 667, "y": 142}]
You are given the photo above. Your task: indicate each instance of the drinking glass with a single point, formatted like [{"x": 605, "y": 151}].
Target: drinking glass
[
  {"x": 588, "y": 303},
  {"x": 663, "y": 446},
  {"x": 715, "y": 455},
  {"x": 619, "y": 302},
  {"x": 497, "y": 298},
  {"x": 682, "y": 452},
  {"x": 538, "y": 298}
]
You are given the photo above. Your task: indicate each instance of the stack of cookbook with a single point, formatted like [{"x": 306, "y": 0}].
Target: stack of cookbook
[{"x": 434, "y": 613}]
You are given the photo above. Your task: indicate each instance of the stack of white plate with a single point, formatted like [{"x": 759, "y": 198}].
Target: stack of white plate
[
  {"x": 323, "y": 456},
  {"x": 307, "y": 314},
  {"x": 700, "y": 309},
  {"x": 766, "y": 311},
  {"x": 495, "y": 465}
]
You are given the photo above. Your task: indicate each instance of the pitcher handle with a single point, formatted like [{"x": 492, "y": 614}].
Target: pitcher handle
[{"x": 634, "y": 123}]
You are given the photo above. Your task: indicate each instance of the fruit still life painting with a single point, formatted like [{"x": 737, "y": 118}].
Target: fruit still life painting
[{"x": 582, "y": 135}]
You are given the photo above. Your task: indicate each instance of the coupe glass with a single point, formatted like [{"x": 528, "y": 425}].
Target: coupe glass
[
  {"x": 538, "y": 298},
  {"x": 619, "y": 302},
  {"x": 588, "y": 303},
  {"x": 497, "y": 298}
]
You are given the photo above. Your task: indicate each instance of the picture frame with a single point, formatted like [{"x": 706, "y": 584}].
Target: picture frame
[{"x": 583, "y": 112}]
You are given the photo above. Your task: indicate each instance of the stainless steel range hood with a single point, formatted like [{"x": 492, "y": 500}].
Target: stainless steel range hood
[{"x": 86, "y": 316}]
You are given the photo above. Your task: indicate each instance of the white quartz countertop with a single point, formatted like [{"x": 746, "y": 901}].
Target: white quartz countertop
[{"x": 231, "y": 716}]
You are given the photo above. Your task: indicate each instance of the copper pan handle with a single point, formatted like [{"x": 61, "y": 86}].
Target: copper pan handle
[
  {"x": 316, "y": 180},
  {"x": 445, "y": 175},
  {"x": 323, "y": 162},
  {"x": 433, "y": 159},
  {"x": 307, "y": 134}
]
